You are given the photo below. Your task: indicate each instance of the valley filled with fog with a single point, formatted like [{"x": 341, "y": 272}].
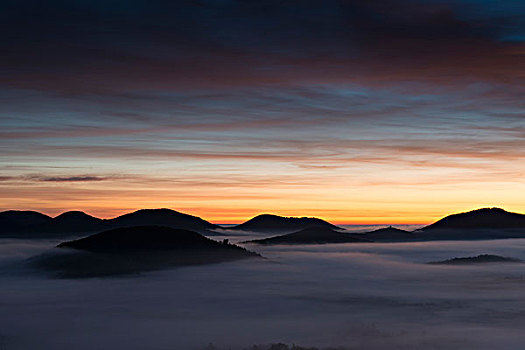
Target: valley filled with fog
[{"x": 357, "y": 296}]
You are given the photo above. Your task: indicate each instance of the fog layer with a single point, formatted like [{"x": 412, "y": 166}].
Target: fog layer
[{"x": 372, "y": 296}]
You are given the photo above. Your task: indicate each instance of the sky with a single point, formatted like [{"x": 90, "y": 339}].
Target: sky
[{"x": 357, "y": 112}]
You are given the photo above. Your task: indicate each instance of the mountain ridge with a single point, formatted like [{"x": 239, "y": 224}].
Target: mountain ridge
[
  {"x": 484, "y": 223},
  {"x": 486, "y": 218},
  {"x": 312, "y": 235},
  {"x": 73, "y": 222},
  {"x": 15, "y": 220},
  {"x": 389, "y": 234},
  {"x": 282, "y": 224}
]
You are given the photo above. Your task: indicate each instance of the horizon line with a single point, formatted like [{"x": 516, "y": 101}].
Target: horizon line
[{"x": 235, "y": 222}]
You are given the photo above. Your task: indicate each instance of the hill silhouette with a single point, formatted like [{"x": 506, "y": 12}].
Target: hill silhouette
[
  {"x": 312, "y": 235},
  {"x": 29, "y": 224},
  {"x": 72, "y": 221},
  {"x": 486, "y": 223},
  {"x": 483, "y": 258},
  {"x": 17, "y": 220},
  {"x": 136, "y": 249},
  {"x": 388, "y": 234},
  {"x": 163, "y": 217},
  {"x": 142, "y": 238},
  {"x": 485, "y": 218},
  {"x": 281, "y": 224}
]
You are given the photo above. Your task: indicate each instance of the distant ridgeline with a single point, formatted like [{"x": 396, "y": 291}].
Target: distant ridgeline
[
  {"x": 317, "y": 235},
  {"x": 488, "y": 218},
  {"x": 313, "y": 235},
  {"x": 156, "y": 239},
  {"x": 34, "y": 224},
  {"x": 478, "y": 259},
  {"x": 487, "y": 223},
  {"x": 281, "y": 224}
]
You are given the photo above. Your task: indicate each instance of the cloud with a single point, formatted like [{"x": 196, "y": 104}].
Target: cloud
[
  {"x": 372, "y": 296},
  {"x": 261, "y": 99},
  {"x": 58, "y": 178},
  {"x": 83, "y": 47},
  {"x": 84, "y": 178}
]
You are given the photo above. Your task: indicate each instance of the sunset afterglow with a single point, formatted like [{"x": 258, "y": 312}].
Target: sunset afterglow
[{"x": 298, "y": 109}]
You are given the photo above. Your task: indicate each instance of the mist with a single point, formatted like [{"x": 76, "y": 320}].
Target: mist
[{"x": 373, "y": 296}]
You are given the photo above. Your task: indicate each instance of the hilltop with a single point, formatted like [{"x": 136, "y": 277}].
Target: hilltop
[
  {"x": 312, "y": 235},
  {"x": 485, "y": 218},
  {"x": 479, "y": 259},
  {"x": 136, "y": 249},
  {"x": 29, "y": 224},
  {"x": 282, "y": 224},
  {"x": 17, "y": 220},
  {"x": 388, "y": 234}
]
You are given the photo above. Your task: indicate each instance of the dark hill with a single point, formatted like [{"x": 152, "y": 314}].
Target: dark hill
[
  {"x": 275, "y": 223},
  {"x": 72, "y": 222},
  {"x": 163, "y": 217},
  {"x": 388, "y": 234},
  {"x": 12, "y": 221},
  {"x": 483, "y": 258},
  {"x": 312, "y": 235},
  {"x": 143, "y": 238},
  {"x": 136, "y": 249},
  {"x": 486, "y": 218},
  {"x": 35, "y": 225}
]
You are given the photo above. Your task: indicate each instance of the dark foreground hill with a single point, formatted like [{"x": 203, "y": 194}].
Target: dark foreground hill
[
  {"x": 483, "y": 258},
  {"x": 144, "y": 238},
  {"x": 136, "y": 249},
  {"x": 27, "y": 224},
  {"x": 281, "y": 224},
  {"x": 312, "y": 235}
]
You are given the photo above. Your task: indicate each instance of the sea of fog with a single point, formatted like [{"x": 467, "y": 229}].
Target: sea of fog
[{"x": 357, "y": 296}]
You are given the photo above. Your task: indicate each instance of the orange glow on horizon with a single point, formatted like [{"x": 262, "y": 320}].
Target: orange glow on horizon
[{"x": 380, "y": 215}]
